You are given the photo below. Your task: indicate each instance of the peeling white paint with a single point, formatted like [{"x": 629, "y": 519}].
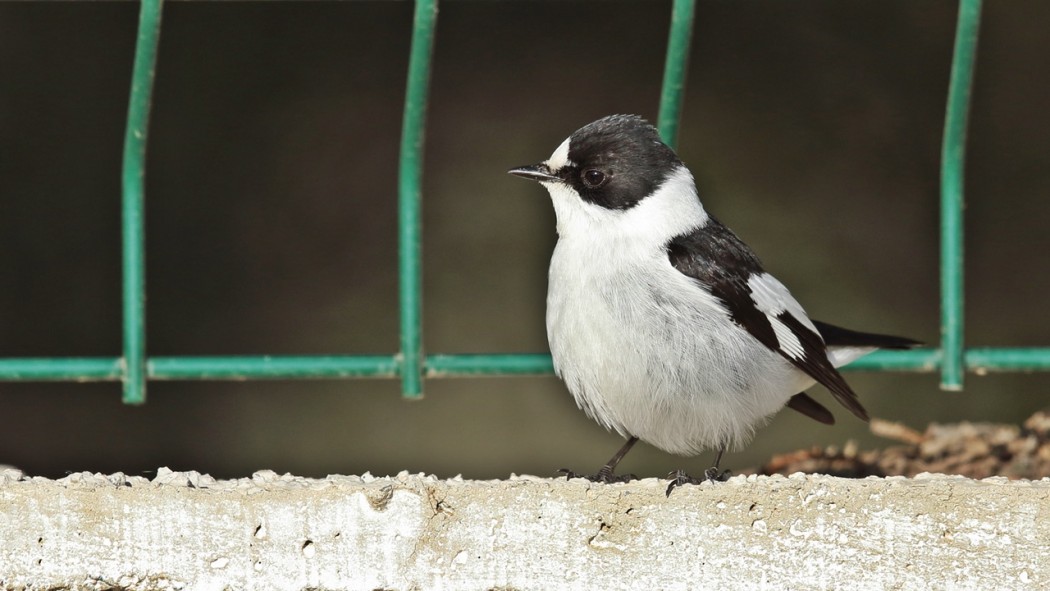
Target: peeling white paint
[{"x": 278, "y": 532}]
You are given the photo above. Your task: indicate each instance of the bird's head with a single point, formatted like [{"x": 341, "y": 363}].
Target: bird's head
[{"x": 616, "y": 171}]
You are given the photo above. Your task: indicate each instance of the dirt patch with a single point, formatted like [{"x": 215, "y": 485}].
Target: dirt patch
[{"x": 976, "y": 450}]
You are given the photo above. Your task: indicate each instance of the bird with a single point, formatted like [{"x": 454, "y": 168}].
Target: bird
[{"x": 662, "y": 323}]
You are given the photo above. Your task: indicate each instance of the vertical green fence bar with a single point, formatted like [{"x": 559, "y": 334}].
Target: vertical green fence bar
[
  {"x": 409, "y": 223},
  {"x": 673, "y": 90},
  {"x": 133, "y": 202},
  {"x": 953, "y": 155}
]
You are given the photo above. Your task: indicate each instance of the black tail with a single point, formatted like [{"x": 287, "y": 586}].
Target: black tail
[
  {"x": 844, "y": 337},
  {"x": 811, "y": 408}
]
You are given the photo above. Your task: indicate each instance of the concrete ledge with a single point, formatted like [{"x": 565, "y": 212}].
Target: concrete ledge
[{"x": 188, "y": 531}]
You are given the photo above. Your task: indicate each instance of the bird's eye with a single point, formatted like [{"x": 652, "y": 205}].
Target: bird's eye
[{"x": 593, "y": 178}]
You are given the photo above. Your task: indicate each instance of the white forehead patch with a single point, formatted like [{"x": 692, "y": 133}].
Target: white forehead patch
[{"x": 560, "y": 157}]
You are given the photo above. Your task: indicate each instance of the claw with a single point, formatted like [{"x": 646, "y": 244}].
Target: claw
[
  {"x": 603, "y": 476},
  {"x": 713, "y": 475},
  {"x": 680, "y": 478},
  {"x": 569, "y": 474}
]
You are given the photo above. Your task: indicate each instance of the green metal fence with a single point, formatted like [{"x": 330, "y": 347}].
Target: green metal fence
[{"x": 134, "y": 368}]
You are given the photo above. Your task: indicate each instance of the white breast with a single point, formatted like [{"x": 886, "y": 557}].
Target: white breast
[{"x": 642, "y": 349}]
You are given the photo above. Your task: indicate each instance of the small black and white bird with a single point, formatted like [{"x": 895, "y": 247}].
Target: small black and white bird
[{"x": 662, "y": 323}]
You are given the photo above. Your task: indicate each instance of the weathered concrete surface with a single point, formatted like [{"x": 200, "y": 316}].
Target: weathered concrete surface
[{"x": 411, "y": 532}]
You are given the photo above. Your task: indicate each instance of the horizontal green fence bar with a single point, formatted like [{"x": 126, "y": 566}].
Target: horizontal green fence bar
[
  {"x": 87, "y": 369},
  {"x": 289, "y": 366},
  {"x": 489, "y": 365},
  {"x": 73, "y": 369},
  {"x": 1008, "y": 359}
]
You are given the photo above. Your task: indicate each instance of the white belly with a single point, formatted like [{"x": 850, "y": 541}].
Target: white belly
[{"x": 665, "y": 365}]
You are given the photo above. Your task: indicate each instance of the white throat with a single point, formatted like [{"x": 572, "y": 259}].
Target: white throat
[{"x": 673, "y": 209}]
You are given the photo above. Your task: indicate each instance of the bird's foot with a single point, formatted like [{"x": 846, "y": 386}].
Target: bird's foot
[
  {"x": 604, "y": 476},
  {"x": 680, "y": 478},
  {"x": 713, "y": 474}
]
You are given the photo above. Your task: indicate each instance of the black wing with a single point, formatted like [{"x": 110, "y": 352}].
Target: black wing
[{"x": 715, "y": 257}]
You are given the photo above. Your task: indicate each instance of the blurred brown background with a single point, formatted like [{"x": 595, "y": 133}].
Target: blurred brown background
[{"x": 813, "y": 128}]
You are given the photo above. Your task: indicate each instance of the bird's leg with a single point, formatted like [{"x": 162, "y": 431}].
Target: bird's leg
[
  {"x": 680, "y": 478},
  {"x": 606, "y": 474},
  {"x": 712, "y": 474}
]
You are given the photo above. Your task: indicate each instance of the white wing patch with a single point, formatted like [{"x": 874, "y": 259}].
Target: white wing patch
[
  {"x": 773, "y": 299},
  {"x": 787, "y": 340}
]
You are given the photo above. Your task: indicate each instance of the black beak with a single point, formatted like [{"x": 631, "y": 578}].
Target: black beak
[{"x": 536, "y": 172}]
